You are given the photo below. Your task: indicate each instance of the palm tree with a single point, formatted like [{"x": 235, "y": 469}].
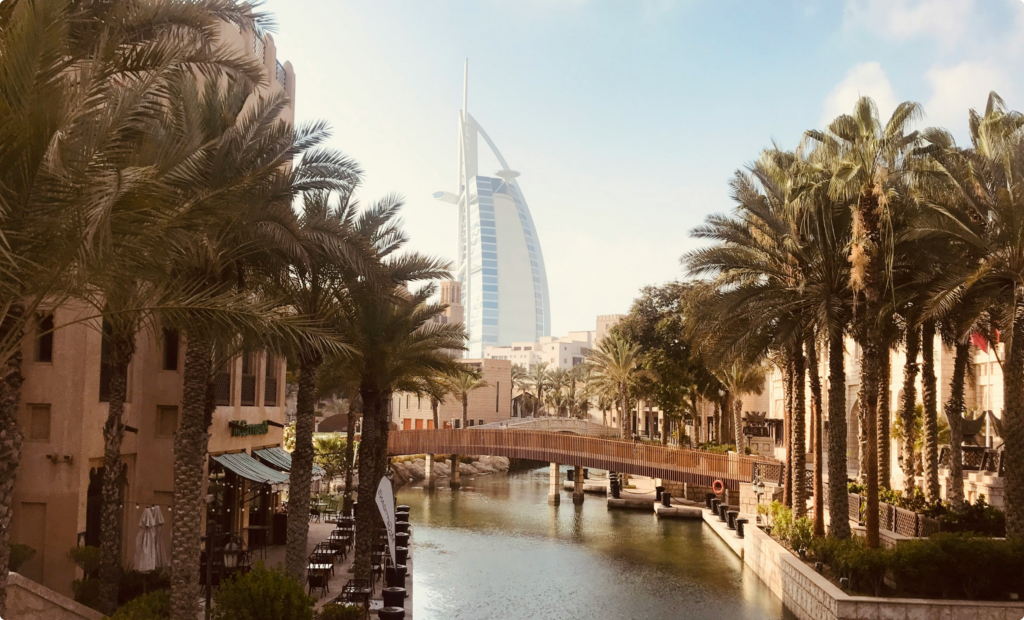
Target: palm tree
[
  {"x": 395, "y": 342},
  {"x": 868, "y": 160},
  {"x": 437, "y": 387},
  {"x": 558, "y": 382},
  {"x": 539, "y": 378},
  {"x": 462, "y": 384},
  {"x": 989, "y": 180},
  {"x": 615, "y": 363},
  {"x": 741, "y": 379},
  {"x": 520, "y": 379}
]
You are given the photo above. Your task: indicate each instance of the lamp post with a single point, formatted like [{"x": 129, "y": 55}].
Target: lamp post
[{"x": 758, "y": 486}]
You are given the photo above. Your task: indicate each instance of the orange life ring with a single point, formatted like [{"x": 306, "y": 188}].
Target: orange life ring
[{"x": 718, "y": 487}]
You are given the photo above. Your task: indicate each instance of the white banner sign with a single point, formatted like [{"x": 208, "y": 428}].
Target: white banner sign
[{"x": 386, "y": 505}]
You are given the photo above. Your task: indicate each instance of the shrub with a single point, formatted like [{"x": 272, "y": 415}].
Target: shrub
[
  {"x": 134, "y": 584},
  {"x": 151, "y": 606},
  {"x": 782, "y": 520},
  {"x": 262, "y": 594},
  {"x": 801, "y": 534},
  {"x": 19, "y": 555},
  {"x": 341, "y": 612}
]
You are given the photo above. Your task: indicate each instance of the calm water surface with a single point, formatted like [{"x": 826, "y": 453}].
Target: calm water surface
[{"x": 496, "y": 549}]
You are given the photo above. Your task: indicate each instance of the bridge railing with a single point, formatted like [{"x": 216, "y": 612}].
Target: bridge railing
[{"x": 695, "y": 467}]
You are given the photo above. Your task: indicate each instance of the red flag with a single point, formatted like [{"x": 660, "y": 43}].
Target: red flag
[{"x": 978, "y": 340}]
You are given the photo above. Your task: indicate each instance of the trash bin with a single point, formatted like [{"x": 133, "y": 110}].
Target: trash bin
[
  {"x": 707, "y": 499},
  {"x": 402, "y": 527},
  {"x": 396, "y": 576},
  {"x": 723, "y": 509},
  {"x": 714, "y": 504}
]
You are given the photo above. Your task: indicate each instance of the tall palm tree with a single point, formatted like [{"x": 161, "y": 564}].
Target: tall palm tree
[
  {"x": 615, "y": 364},
  {"x": 741, "y": 379},
  {"x": 989, "y": 179},
  {"x": 462, "y": 385},
  {"x": 868, "y": 160},
  {"x": 395, "y": 342},
  {"x": 237, "y": 219},
  {"x": 539, "y": 378}
]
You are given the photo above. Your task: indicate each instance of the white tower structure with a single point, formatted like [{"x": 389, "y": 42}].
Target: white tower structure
[{"x": 500, "y": 263}]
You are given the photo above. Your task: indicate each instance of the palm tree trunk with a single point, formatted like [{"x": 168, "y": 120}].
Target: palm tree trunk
[
  {"x": 433, "y": 408},
  {"x": 838, "y": 504},
  {"x": 787, "y": 426},
  {"x": 111, "y": 510},
  {"x": 10, "y": 432},
  {"x": 931, "y": 423},
  {"x": 799, "y": 433},
  {"x": 884, "y": 443},
  {"x": 465, "y": 409},
  {"x": 908, "y": 405},
  {"x": 955, "y": 416},
  {"x": 372, "y": 462},
  {"x": 737, "y": 423},
  {"x": 350, "y": 452},
  {"x": 190, "y": 444},
  {"x": 1013, "y": 428},
  {"x": 300, "y": 482},
  {"x": 718, "y": 421},
  {"x": 869, "y": 406},
  {"x": 819, "y": 505}
]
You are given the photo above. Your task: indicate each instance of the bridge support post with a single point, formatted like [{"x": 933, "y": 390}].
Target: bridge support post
[
  {"x": 429, "y": 475},
  {"x": 577, "y": 486},
  {"x": 554, "y": 493},
  {"x": 454, "y": 480}
]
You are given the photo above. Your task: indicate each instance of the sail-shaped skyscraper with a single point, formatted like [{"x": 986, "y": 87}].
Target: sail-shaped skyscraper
[{"x": 500, "y": 263}]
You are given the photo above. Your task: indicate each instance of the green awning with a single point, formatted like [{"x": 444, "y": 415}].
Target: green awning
[
  {"x": 282, "y": 459},
  {"x": 251, "y": 469}
]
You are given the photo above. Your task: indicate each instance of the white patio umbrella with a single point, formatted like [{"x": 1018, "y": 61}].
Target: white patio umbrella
[{"x": 149, "y": 551}]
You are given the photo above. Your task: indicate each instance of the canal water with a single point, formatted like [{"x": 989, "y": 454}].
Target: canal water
[{"x": 496, "y": 550}]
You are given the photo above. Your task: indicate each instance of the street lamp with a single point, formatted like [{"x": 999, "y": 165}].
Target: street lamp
[{"x": 758, "y": 486}]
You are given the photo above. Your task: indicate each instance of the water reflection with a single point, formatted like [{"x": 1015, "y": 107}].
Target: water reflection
[{"x": 496, "y": 549}]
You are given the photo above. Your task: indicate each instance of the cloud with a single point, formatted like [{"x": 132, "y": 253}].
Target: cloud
[
  {"x": 945, "y": 20},
  {"x": 958, "y": 88},
  {"x": 865, "y": 79}
]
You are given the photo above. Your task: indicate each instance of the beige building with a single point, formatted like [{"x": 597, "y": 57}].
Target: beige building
[
  {"x": 492, "y": 403},
  {"x": 64, "y": 407}
]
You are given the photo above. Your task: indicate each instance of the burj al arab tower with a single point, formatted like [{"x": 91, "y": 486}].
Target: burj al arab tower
[{"x": 500, "y": 263}]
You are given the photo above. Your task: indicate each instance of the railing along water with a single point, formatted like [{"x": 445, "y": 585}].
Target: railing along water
[{"x": 680, "y": 465}]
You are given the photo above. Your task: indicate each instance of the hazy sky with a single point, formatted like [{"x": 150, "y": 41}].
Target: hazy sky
[{"x": 626, "y": 119}]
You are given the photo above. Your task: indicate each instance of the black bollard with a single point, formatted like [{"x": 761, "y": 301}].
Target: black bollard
[
  {"x": 401, "y": 554},
  {"x": 396, "y": 576},
  {"x": 402, "y": 539},
  {"x": 402, "y": 527},
  {"x": 714, "y": 505},
  {"x": 707, "y": 499},
  {"x": 732, "y": 514},
  {"x": 722, "y": 510},
  {"x": 657, "y": 493},
  {"x": 739, "y": 527},
  {"x": 394, "y": 597},
  {"x": 391, "y": 613},
  {"x": 402, "y": 508},
  {"x": 666, "y": 499},
  {"x": 586, "y": 474}
]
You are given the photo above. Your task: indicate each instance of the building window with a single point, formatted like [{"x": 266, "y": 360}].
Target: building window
[
  {"x": 471, "y": 422},
  {"x": 39, "y": 423},
  {"x": 171, "y": 347},
  {"x": 481, "y": 422},
  {"x": 419, "y": 424},
  {"x": 248, "y": 379},
  {"x": 44, "y": 340},
  {"x": 270, "y": 381},
  {"x": 166, "y": 421},
  {"x": 458, "y": 423},
  {"x": 497, "y": 395}
]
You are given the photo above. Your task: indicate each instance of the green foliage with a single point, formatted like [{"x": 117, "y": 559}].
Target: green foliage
[
  {"x": 329, "y": 453},
  {"x": 262, "y": 594},
  {"x": 946, "y": 565},
  {"x": 87, "y": 558},
  {"x": 781, "y": 519},
  {"x": 719, "y": 448},
  {"x": 918, "y": 429},
  {"x": 151, "y": 606},
  {"x": 134, "y": 584},
  {"x": 289, "y": 437},
  {"x": 979, "y": 517},
  {"x": 801, "y": 534},
  {"x": 341, "y": 612},
  {"x": 86, "y": 590},
  {"x": 19, "y": 555}
]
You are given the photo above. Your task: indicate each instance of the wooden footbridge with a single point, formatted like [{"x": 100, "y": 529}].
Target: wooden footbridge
[{"x": 694, "y": 467}]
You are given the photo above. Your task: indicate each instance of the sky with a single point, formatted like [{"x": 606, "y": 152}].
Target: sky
[{"x": 626, "y": 118}]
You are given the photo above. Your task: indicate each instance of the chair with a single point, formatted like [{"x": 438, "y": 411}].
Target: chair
[
  {"x": 331, "y": 510},
  {"x": 323, "y": 554},
  {"x": 314, "y": 511},
  {"x": 317, "y": 580},
  {"x": 357, "y": 591},
  {"x": 379, "y": 561}
]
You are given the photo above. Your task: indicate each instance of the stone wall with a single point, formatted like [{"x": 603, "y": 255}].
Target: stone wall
[
  {"x": 414, "y": 469},
  {"x": 28, "y": 600},
  {"x": 811, "y": 596}
]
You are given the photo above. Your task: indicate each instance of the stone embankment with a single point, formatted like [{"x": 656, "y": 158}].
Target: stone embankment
[{"x": 412, "y": 470}]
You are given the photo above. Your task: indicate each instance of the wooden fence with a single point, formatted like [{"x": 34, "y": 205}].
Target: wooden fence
[{"x": 681, "y": 465}]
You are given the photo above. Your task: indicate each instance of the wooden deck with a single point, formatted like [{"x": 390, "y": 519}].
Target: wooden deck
[{"x": 681, "y": 465}]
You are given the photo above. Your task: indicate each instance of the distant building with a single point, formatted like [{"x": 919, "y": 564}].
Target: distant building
[
  {"x": 500, "y": 263},
  {"x": 492, "y": 403}
]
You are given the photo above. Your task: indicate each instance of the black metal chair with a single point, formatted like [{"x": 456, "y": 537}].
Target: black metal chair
[{"x": 317, "y": 579}]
